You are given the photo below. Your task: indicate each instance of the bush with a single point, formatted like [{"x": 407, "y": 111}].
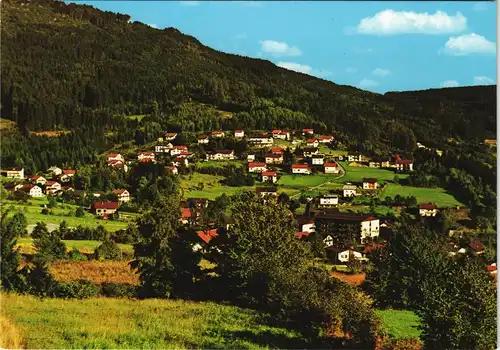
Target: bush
[
  {"x": 118, "y": 290},
  {"x": 108, "y": 250},
  {"x": 79, "y": 212},
  {"x": 81, "y": 289},
  {"x": 45, "y": 211},
  {"x": 75, "y": 254}
]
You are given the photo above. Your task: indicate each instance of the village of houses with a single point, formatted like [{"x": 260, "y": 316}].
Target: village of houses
[{"x": 308, "y": 159}]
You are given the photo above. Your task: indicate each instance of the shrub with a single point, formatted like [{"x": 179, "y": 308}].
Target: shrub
[
  {"x": 79, "y": 212},
  {"x": 80, "y": 289},
  {"x": 108, "y": 250},
  {"x": 75, "y": 254},
  {"x": 118, "y": 290},
  {"x": 45, "y": 211}
]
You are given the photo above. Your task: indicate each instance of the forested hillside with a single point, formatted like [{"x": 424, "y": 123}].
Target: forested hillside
[{"x": 67, "y": 65}]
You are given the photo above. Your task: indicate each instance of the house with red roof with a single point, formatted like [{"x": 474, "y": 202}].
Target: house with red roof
[
  {"x": 239, "y": 133},
  {"x": 404, "y": 165},
  {"x": 312, "y": 143},
  {"x": 176, "y": 150},
  {"x": 52, "y": 187},
  {"x": 427, "y": 209},
  {"x": 203, "y": 140},
  {"x": 221, "y": 154},
  {"x": 331, "y": 168},
  {"x": 186, "y": 215},
  {"x": 301, "y": 169},
  {"x": 283, "y": 135},
  {"x": 370, "y": 183},
  {"x": 115, "y": 157},
  {"x": 145, "y": 157},
  {"x": 172, "y": 169},
  {"x": 105, "y": 209},
  {"x": 277, "y": 150},
  {"x": 276, "y": 132},
  {"x": 477, "y": 248},
  {"x": 39, "y": 180},
  {"x": 301, "y": 234},
  {"x": 269, "y": 176},
  {"x": 492, "y": 269},
  {"x": 256, "y": 167},
  {"x": 325, "y": 139},
  {"x": 309, "y": 151},
  {"x": 218, "y": 134},
  {"x": 31, "y": 189},
  {"x": 123, "y": 195},
  {"x": 307, "y": 131},
  {"x": 163, "y": 148},
  {"x": 169, "y": 136}
]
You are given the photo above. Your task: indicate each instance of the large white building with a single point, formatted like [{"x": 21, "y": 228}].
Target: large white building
[
  {"x": 301, "y": 169},
  {"x": 349, "y": 190},
  {"x": 367, "y": 226},
  {"x": 331, "y": 168}
]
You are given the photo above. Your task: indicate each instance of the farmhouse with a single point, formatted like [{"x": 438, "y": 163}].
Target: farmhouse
[
  {"x": 222, "y": 154},
  {"x": 331, "y": 168},
  {"x": 343, "y": 255},
  {"x": 31, "y": 190},
  {"x": 349, "y": 190},
  {"x": 251, "y": 157},
  {"x": 404, "y": 165},
  {"x": 267, "y": 191},
  {"x": 355, "y": 157},
  {"x": 317, "y": 159},
  {"x": 169, "y": 136},
  {"x": 172, "y": 169},
  {"x": 145, "y": 157},
  {"x": 239, "y": 133},
  {"x": 113, "y": 157},
  {"x": 307, "y": 131},
  {"x": 56, "y": 171},
  {"x": 118, "y": 164},
  {"x": 328, "y": 201},
  {"x": 273, "y": 158},
  {"x": 308, "y": 152},
  {"x": 176, "y": 150},
  {"x": 427, "y": 209},
  {"x": 51, "y": 187},
  {"x": 261, "y": 140},
  {"x": 370, "y": 183},
  {"x": 284, "y": 135},
  {"x": 326, "y": 139},
  {"x": 301, "y": 169},
  {"x": 312, "y": 143},
  {"x": 367, "y": 226},
  {"x": 203, "y": 140},
  {"x": 163, "y": 148},
  {"x": 269, "y": 176},
  {"x": 40, "y": 180},
  {"x": 218, "y": 134},
  {"x": 123, "y": 195},
  {"x": 105, "y": 209},
  {"x": 276, "y": 132},
  {"x": 256, "y": 167},
  {"x": 67, "y": 175}
]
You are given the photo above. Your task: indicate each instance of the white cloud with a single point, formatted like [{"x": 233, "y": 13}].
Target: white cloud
[
  {"x": 278, "y": 49},
  {"x": 482, "y": 80},
  {"x": 389, "y": 22},
  {"x": 153, "y": 26},
  {"x": 351, "y": 70},
  {"x": 449, "y": 83},
  {"x": 467, "y": 44},
  {"x": 381, "y": 72},
  {"x": 481, "y": 6},
  {"x": 367, "y": 84},
  {"x": 303, "y": 68},
  {"x": 189, "y": 3}
]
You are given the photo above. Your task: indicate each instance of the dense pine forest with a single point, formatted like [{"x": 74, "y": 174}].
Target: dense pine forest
[{"x": 67, "y": 65}]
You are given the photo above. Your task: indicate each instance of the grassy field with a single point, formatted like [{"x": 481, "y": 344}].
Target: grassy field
[
  {"x": 86, "y": 246},
  {"x": 437, "y": 196},
  {"x": 208, "y": 186},
  {"x": 356, "y": 174},
  {"x": 119, "y": 323},
  {"x": 219, "y": 164},
  {"x": 399, "y": 323},
  {"x": 290, "y": 180},
  {"x": 63, "y": 212},
  {"x": 95, "y": 271}
]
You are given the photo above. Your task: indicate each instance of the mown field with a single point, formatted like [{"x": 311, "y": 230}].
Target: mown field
[
  {"x": 399, "y": 323},
  {"x": 63, "y": 212},
  {"x": 356, "y": 174},
  {"x": 438, "y": 196},
  {"x": 300, "y": 181},
  {"x": 119, "y": 323},
  {"x": 85, "y": 246}
]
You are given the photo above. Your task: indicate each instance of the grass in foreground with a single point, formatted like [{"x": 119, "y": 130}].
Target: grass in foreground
[
  {"x": 85, "y": 246},
  {"x": 438, "y": 196},
  {"x": 119, "y": 323},
  {"x": 399, "y": 323}
]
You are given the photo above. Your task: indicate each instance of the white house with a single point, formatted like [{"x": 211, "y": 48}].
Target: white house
[
  {"x": 146, "y": 157},
  {"x": 52, "y": 187},
  {"x": 354, "y": 158},
  {"x": 176, "y": 150},
  {"x": 123, "y": 195},
  {"x": 112, "y": 157},
  {"x": 301, "y": 169},
  {"x": 172, "y": 169},
  {"x": 312, "y": 143},
  {"x": 308, "y": 131},
  {"x": 349, "y": 190},
  {"x": 39, "y": 180},
  {"x": 427, "y": 209},
  {"x": 328, "y": 200},
  {"x": 269, "y": 176},
  {"x": 261, "y": 140},
  {"x": 331, "y": 168},
  {"x": 163, "y": 148},
  {"x": 345, "y": 255},
  {"x": 239, "y": 133},
  {"x": 223, "y": 154},
  {"x": 404, "y": 165},
  {"x": 256, "y": 167},
  {"x": 283, "y": 135},
  {"x": 218, "y": 134},
  {"x": 367, "y": 226},
  {"x": 326, "y": 139},
  {"x": 250, "y": 157},
  {"x": 328, "y": 241},
  {"x": 169, "y": 136},
  {"x": 55, "y": 170},
  {"x": 317, "y": 159},
  {"x": 370, "y": 183},
  {"x": 203, "y": 140},
  {"x": 276, "y": 132},
  {"x": 274, "y": 158},
  {"x": 14, "y": 173},
  {"x": 306, "y": 224},
  {"x": 310, "y": 151},
  {"x": 30, "y": 189},
  {"x": 267, "y": 191}
]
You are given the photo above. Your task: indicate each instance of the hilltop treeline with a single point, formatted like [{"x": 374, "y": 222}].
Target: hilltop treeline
[{"x": 63, "y": 63}]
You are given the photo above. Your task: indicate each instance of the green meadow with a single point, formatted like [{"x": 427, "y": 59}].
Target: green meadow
[
  {"x": 356, "y": 174},
  {"x": 438, "y": 196},
  {"x": 26, "y": 245},
  {"x": 399, "y": 324}
]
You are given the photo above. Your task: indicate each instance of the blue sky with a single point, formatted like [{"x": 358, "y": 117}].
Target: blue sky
[{"x": 376, "y": 46}]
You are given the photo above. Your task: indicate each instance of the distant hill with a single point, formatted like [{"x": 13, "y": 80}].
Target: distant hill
[{"x": 64, "y": 64}]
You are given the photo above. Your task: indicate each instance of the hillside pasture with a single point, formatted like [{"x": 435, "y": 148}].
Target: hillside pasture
[
  {"x": 357, "y": 173},
  {"x": 95, "y": 271},
  {"x": 438, "y": 196},
  {"x": 208, "y": 186},
  {"x": 398, "y": 324},
  {"x": 85, "y": 246},
  {"x": 290, "y": 180}
]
